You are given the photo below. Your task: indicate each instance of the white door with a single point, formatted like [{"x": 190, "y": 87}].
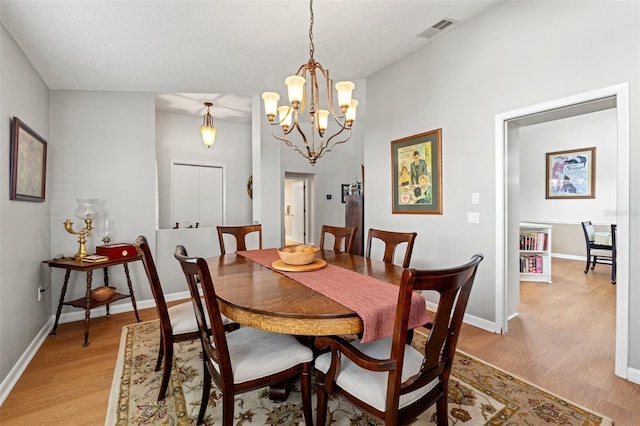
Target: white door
[{"x": 297, "y": 211}]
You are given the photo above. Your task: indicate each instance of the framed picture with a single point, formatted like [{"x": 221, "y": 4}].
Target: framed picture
[
  {"x": 571, "y": 174},
  {"x": 345, "y": 190},
  {"x": 28, "y": 163},
  {"x": 416, "y": 173}
]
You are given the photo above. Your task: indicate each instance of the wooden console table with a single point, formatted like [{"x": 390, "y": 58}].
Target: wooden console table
[{"x": 71, "y": 264}]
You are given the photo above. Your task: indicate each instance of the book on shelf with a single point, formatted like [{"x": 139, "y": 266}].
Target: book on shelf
[
  {"x": 531, "y": 264},
  {"x": 93, "y": 258},
  {"x": 536, "y": 241}
]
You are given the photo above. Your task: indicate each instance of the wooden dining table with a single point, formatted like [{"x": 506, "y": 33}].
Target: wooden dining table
[{"x": 257, "y": 296}]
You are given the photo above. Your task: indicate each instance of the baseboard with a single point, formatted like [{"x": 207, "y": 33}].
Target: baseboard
[
  {"x": 633, "y": 375},
  {"x": 16, "y": 372},
  {"x": 77, "y": 315},
  {"x": 569, "y": 256},
  {"x": 472, "y": 320}
]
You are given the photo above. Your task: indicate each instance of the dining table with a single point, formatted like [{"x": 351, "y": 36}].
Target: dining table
[
  {"x": 311, "y": 302},
  {"x": 257, "y": 295}
]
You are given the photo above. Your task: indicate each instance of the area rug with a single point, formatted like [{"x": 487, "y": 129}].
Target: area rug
[{"x": 479, "y": 394}]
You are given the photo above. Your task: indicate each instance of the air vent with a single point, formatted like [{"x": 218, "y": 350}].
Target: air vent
[{"x": 438, "y": 28}]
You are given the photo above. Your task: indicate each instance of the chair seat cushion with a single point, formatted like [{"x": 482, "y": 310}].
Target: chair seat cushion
[
  {"x": 256, "y": 353},
  {"x": 183, "y": 318},
  {"x": 370, "y": 386},
  {"x": 601, "y": 252}
]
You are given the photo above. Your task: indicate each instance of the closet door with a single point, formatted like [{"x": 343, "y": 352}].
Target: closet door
[{"x": 197, "y": 195}]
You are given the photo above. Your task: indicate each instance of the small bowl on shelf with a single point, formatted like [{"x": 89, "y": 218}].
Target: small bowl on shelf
[
  {"x": 300, "y": 254},
  {"x": 103, "y": 293}
]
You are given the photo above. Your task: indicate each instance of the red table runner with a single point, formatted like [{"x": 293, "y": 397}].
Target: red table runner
[{"x": 374, "y": 301}]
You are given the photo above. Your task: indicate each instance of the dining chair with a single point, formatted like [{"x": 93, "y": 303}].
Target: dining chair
[
  {"x": 391, "y": 241},
  {"x": 240, "y": 234},
  {"x": 597, "y": 253},
  {"x": 342, "y": 237},
  {"x": 177, "y": 323},
  {"x": 614, "y": 253},
  {"x": 246, "y": 359},
  {"x": 389, "y": 378}
]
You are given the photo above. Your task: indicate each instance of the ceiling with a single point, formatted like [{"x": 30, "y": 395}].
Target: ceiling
[{"x": 223, "y": 51}]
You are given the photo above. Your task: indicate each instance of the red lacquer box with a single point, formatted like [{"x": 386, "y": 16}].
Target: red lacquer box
[{"x": 117, "y": 251}]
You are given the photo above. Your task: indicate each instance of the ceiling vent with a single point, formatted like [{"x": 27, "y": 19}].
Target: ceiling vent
[{"x": 438, "y": 28}]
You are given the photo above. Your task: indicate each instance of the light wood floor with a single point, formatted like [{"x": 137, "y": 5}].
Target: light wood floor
[{"x": 562, "y": 340}]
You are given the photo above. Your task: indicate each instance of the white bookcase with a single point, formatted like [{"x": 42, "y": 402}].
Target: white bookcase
[{"x": 535, "y": 252}]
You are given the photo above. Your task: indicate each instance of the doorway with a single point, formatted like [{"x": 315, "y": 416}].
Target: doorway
[
  {"x": 298, "y": 212},
  {"x": 507, "y": 217}
]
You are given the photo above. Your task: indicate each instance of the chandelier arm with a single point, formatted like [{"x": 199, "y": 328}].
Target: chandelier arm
[
  {"x": 291, "y": 144},
  {"x": 328, "y": 148},
  {"x": 329, "y": 88},
  {"x": 310, "y": 151}
]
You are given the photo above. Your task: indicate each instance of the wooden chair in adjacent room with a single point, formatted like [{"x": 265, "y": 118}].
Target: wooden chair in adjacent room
[
  {"x": 342, "y": 237},
  {"x": 391, "y": 241},
  {"x": 246, "y": 359},
  {"x": 177, "y": 323},
  {"x": 598, "y": 253},
  {"x": 240, "y": 234},
  {"x": 614, "y": 253},
  {"x": 389, "y": 378}
]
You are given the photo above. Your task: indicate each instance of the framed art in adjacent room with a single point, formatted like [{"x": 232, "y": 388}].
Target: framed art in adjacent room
[
  {"x": 571, "y": 174},
  {"x": 345, "y": 188},
  {"x": 28, "y": 168},
  {"x": 416, "y": 167}
]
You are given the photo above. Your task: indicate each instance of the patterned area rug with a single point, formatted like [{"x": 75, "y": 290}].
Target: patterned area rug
[{"x": 479, "y": 394}]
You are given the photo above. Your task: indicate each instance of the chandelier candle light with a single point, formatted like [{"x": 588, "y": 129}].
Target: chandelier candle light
[
  {"x": 87, "y": 211},
  {"x": 208, "y": 130},
  {"x": 317, "y": 143}
]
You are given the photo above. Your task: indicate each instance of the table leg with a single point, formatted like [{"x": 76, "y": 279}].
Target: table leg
[
  {"x": 87, "y": 308},
  {"x": 106, "y": 284},
  {"x": 133, "y": 298},
  {"x": 62, "y": 293},
  {"x": 280, "y": 391}
]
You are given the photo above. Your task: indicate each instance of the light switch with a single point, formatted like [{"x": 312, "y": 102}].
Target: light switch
[
  {"x": 473, "y": 217},
  {"x": 475, "y": 198}
]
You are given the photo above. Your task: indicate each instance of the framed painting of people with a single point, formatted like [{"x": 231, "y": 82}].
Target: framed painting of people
[
  {"x": 571, "y": 174},
  {"x": 28, "y": 167},
  {"x": 416, "y": 168}
]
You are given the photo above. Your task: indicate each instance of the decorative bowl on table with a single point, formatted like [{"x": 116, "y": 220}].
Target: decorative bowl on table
[
  {"x": 301, "y": 254},
  {"x": 103, "y": 293}
]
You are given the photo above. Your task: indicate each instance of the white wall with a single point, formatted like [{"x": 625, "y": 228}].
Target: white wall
[
  {"x": 515, "y": 55},
  {"x": 178, "y": 138},
  {"x": 24, "y": 226},
  {"x": 597, "y": 129}
]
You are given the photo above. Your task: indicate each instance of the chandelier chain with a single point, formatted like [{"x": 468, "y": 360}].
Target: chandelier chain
[{"x": 311, "y": 46}]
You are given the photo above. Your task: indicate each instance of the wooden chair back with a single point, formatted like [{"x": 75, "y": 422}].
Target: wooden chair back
[
  {"x": 342, "y": 237},
  {"x": 391, "y": 241},
  {"x": 167, "y": 335},
  {"x": 240, "y": 234},
  {"x": 598, "y": 253},
  {"x": 614, "y": 253},
  {"x": 454, "y": 287},
  {"x": 216, "y": 354}
]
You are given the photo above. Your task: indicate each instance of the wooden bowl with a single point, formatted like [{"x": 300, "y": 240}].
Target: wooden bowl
[
  {"x": 301, "y": 254},
  {"x": 103, "y": 293}
]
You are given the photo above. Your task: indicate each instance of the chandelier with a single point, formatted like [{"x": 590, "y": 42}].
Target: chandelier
[
  {"x": 305, "y": 108},
  {"x": 208, "y": 130}
]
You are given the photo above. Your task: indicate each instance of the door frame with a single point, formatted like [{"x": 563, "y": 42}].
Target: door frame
[
  {"x": 310, "y": 205},
  {"x": 503, "y": 219}
]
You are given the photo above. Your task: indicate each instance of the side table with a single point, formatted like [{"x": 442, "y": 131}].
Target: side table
[{"x": 72, "y": 264}]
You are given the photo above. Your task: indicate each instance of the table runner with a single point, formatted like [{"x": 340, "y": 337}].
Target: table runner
[{"x": 374, "y": 301}]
